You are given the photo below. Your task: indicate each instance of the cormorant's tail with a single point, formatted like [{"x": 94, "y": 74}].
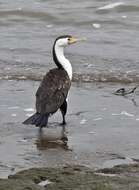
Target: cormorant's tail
[{"x": 40, "y": 120}]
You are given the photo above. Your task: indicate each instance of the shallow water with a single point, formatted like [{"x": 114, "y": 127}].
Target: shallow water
[
  {"x": 102, "y": 128},
  {"x": 110, "y": 54},
  {"x": 97, "y": 119}
]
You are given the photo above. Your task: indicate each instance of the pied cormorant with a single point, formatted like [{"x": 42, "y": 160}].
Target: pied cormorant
[{"x": 53, "y": 90}]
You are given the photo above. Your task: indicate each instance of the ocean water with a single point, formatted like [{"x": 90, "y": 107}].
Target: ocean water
[{"x": 29, "y": 28}]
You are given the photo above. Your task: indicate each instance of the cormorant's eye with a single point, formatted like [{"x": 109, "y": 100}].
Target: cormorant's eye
[{"x": 69, "y": 40}]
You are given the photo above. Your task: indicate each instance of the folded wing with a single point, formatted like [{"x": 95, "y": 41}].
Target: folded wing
[{"x": 52, "y": 91}]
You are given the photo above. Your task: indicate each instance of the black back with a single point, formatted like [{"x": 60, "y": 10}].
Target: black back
[{"x": 53, "y": 91}]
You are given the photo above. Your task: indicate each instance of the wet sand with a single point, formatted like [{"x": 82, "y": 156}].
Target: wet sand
[
  {"x": 102, "y": 128},
  {"x": 74, "y": 178}
]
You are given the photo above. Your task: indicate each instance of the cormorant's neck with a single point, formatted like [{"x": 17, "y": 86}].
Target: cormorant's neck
[{"x": 61, "y": 61}]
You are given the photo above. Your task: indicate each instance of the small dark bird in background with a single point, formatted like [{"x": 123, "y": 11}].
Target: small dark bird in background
[
  {"x": 123, "y": 91},
  {"x": 53, "y": 90}
]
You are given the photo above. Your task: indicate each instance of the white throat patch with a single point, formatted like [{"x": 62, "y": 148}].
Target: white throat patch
[{"x": 59, "y": 50}]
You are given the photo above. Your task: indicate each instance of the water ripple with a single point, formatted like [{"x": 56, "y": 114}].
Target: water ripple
[
  {"x": 120, "y": 77},
  {"x": 27, "y": 13}
]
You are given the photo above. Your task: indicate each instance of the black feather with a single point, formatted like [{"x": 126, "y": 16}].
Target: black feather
[{"x": 37, "y": 119}]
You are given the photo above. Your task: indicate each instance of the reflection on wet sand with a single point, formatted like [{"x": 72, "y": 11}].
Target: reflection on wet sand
[
  {"x": 47, "y": 141},
  {"x": 133, "y": 100}
]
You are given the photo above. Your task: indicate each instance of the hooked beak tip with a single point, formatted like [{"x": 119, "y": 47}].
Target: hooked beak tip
[{"x": 81, "y": 39}]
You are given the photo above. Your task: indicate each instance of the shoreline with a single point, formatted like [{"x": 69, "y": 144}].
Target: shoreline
[{"x": 123, "y": 177}]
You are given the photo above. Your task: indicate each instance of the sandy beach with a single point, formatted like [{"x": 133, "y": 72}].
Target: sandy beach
[{"x": 102, "y": 128}]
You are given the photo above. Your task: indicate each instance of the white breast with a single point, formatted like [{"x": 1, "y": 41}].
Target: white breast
[{"x": 63, "y": 60}]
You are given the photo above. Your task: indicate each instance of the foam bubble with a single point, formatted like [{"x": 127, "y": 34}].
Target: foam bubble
[
  {"x": 19, "y": 9},
  {"x": 83, "y": 121},
  {"x": 96, "y": 25},
  {"x": 124, "y": 16},
  {"x": 97, "y": 119},
  {"x": 91, "y": 132},
  {"x": 111, "y": 6},
  {"x": 28, "y": 114},
  {"x": 44, "y": 183},
  {"x": 127, "y": 114},
  {"x": 13, "y": 114},
  {"x": 13, "y": 108},
  {"x": 49, "y": 26},
  {"x": 29, "y": 110}
]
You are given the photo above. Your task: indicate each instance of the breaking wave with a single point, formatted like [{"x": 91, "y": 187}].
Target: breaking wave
[
  {"x": 80, "y": 77},
  {"x": 120, "y": 6}
]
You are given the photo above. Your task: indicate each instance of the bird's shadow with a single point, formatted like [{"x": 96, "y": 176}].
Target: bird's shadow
[
  {"x": 133, "y": 100},
  {"x": 45, "y": 141}
]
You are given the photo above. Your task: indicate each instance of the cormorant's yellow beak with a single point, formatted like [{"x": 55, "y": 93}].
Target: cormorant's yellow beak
[{"x": 73, "y": 40}]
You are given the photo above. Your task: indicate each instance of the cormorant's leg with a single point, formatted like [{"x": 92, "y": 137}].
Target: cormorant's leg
[
  {"x": 64, "y": 137},
  {"x": 63, "y": 110}
]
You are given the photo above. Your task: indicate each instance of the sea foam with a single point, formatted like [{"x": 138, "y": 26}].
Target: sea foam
[{"x": 111, "y": 6}]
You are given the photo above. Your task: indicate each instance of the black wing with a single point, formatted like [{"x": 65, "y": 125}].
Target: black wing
[{"x": 52, "y": 91}]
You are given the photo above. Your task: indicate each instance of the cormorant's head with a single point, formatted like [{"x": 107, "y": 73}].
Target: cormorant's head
[
  {"x": 58, "y": 53},
  {"x": 66, "y": 40}
]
